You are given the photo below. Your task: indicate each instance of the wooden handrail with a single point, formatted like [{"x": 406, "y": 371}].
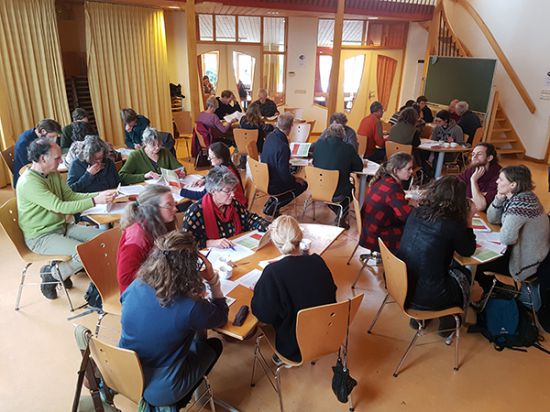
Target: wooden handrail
[{"x": 500, "y": 55}]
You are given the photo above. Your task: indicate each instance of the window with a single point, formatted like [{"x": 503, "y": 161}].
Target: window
[
  {"x": 392, "y": 35},
  {"x": 374, "y": 37},
  {"x": 322, "y": 76},
  {"x": 225, "y": 28},
  {"x": 243, "y": 65},
  {"x": 206, "y": 27},
  {"x": 273, "y": 76},
  {"x": 352, "y": 34},
  {"x": 249, "y": 29},
  {"x": 353, "y": 71},
  {"x": 274, "y": 34},
  {"x": 325, "y": 33},
  {"x": 209, "y": 66}
]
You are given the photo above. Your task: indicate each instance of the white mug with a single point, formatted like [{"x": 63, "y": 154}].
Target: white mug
[
  {"x": 225, "y": 260},
  {"x": 225, "y": 271},
  {"x": 305, "y": 244}
]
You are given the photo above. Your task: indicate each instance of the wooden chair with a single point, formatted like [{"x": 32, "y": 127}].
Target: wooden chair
[
  {"x": 178, "y": 220},
  {"x": 296, "y": 111},
  {"x": 8, "y": 156},
  {"x": 203, "y": 145},
  {"x": 397, "y": 285},
  {"x": 121, "y": 371},
  {"x": 314, "y": 342},
  {"x": 386, "y": 126},
  {"x": 252, "y": 150},
  {"x": 242, "y": 138},
  {"x": 9, "y": 220},
  {"x": 99, "y": 258},
  {"x": 260, "y": 178},
  {"x": 300, "y": 132},
  {"x": 362, "y": 145},
  {"x": 184, "y": 125},
  {"x": 322, "y": 185},
  {"x": 393, "y": 147}
]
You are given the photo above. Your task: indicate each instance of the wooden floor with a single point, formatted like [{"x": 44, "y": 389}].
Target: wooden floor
[{"x": 39, "y": 359}]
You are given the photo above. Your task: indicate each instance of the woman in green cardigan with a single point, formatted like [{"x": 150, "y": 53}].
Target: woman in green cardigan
[{"x": 145, "y": 163}]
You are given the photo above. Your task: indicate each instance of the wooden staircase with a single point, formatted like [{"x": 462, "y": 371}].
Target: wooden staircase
[{"x": 78, "y": 95}]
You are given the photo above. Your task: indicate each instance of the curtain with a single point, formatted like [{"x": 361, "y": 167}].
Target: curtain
[
  {"x": 31, "y": 70},
  {"x": 385, "y": 72},
  {"x": 127, "y": 66}
]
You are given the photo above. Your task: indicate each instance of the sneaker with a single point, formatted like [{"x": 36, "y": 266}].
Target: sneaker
[
  {"x": 48, "y": 290},
  {"x": 413, "y": 323},
  {"x": 68, "y": 283},
  {"x": 278, "y": 362}
]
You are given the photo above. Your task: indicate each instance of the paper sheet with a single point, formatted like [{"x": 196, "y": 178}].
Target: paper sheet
[
  {"x": 251, "y": 240},
  {"x": 264, "y": 263},
  {"x": 235, "y": 115},
  {"x": 188, "y": 181},
  {"x": 227, "y": 286},
  {"x": 299, "y": 162},
  {"x": 371, "y": 168},
  {"x": 479, "y": 225},
  {"x": 132, "y": 190},
  {"x": 239, "y": 253},
  {"x": 250, "y": 279},
  {"x": 124, "y": 151},
  {"x": 299, "y": 149},
  {"x": 113, "y": 209}
]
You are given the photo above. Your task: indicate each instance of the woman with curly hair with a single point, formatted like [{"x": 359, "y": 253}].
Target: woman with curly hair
[
  {"x": 164, "y": 313},
  {"x": 144, "y": 220},
  {"x": 439, "y": 227}
]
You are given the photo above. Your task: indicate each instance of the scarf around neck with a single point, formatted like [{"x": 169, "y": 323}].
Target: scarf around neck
[{"x": 212, "y": 214}]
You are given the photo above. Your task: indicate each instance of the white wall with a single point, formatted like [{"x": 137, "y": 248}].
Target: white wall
[
  {"x": 417, "y": 40},
  {"x": 522, "y": 31},
  {"x": 176, "y": 49}
]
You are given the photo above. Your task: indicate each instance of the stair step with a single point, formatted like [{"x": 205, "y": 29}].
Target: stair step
[
  {"x": 511, "y": 151},
  {"x": 502, "y": 129},
  {"x": 500, "y": 119},
  {"x": 496, "y": 142}
]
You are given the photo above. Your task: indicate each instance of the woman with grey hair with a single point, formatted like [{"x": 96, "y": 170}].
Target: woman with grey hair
[
  {"x": 92, "y": 171},
  {"x": 214, "y": 126},
  {"x": 144, "y": 220},
  {"x": 218, "y": 216},
  {"x": 350, "y": 137},
  {"x": 147, "y": 162}
]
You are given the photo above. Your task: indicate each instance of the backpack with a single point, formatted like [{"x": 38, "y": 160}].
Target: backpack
[
  {"x": 92, "y": 297},
  {"x": 507, "y": 324}
]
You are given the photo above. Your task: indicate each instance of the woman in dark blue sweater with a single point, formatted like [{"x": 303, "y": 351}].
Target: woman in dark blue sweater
[
  {"x": 93, "y": 170},
  {"x": 163, "y": 315}
]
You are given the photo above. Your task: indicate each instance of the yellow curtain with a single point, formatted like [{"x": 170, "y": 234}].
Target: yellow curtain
[
  {"x": 31, "y": 71},
  {"x": 127, "y": 62}
]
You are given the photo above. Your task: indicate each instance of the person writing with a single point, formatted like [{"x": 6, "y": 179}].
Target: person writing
[
  {"x": 289, "y": 285},
  {"x": 144, "y": 220},
  {"x": 164, "y": 314},
  {"x": 386, "y": 210},
  {"x": 481, "y": 177},
  {"x": 147, "y": 162},
  {"x": 218, "y": 216}
]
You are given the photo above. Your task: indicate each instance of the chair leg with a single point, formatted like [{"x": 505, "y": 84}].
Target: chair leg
[
  {"x": 66, "y": 291},
  {"x": 256, "y": 349},
  {"x": 351, "y": 407},
  {"x": 532, "y": 303},
  {"x": 457, "y": 337},
  {"x": 353, "y": 253},
  {"x": 98, "y": 324},
  {"x": 488, "y": 295},
  {"x": 279, "y": 387},
  {"x": 210, "y": 394},
  {"x": 359, "y": 272},
  {"x": 413, "y": 341},
  {"x": 21, "y": 284},
  {"x": 378, "y": 313}
]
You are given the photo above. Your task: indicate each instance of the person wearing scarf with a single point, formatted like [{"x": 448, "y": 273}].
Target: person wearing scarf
[
  {"x": 218, "y": 216},
  {"x": 525, "y": 227}
]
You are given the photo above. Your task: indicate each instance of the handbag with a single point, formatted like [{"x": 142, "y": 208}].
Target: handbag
[{"x": 342, "y": 382}]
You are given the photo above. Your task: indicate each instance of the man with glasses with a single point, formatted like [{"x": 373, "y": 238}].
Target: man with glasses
[{"x": 481, "y": 176}]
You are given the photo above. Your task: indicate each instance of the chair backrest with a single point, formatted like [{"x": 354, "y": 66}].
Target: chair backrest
[
  {"x": 183, "y": 122},
  {"x": 322, "y": 183},
  {"x": 99, "y": 258},
  {"x": 362, "y": 145},
  {"x": 252, "y": 150},
  {"x": 8, "y": 156},
  {"x": 243, "y": 137},
  {"x": 200, "y": 138},
  {"x": 356, "y": 201},
  {"x": 396, "y": 275},
  {"x": 477, "y": 136},
  {"x": 260, "y": 174},
  {"x": 9, "y": 219},
  {"x": 393, "y": 147},
  {"x": 120, "y": 369},
  {"x": 297, "y": 112},
  {"x": 312, "y": 126},
  {"x": 178, "y": 220},
  {"x": 330, "y": 328},
  {"x": 386, "y": 126},
  {"x": 300, "y": 132}
]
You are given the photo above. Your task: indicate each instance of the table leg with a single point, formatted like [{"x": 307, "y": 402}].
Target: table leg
[
  {"x": 225, "y": 405},
  {"x": 439, "y": 164}
]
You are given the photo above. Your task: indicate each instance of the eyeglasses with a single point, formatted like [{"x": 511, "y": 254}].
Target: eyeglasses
[
  {"x": 228, "y": 191},
  {"x": 168, "y": 206}
]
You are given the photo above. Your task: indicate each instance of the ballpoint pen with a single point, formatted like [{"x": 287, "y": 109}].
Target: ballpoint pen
[{"x": 206, "y": 257}]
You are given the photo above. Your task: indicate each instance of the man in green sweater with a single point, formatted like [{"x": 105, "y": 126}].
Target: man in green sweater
[{"x": 43, "y": 201}]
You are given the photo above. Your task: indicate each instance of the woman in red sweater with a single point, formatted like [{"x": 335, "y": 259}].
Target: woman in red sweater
[{"x": 144, "y": 221}]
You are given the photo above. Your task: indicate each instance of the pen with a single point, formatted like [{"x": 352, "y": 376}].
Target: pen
[{"x": 206, "y": 257}]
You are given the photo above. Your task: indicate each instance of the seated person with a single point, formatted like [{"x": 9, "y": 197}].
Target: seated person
[
  {"x": 332, "y": 153},
  {"x": 276, "y": 154},
  {"x": 371, "y": 127},
  {"x": 268, "y": 107},
  {"x": 446, "y": 130},
  {"x": 77, "y": 130},
  {"x": 425, "y": 112},
  {"x": 219, "y": 155},
  {"x": 395, "y": 117},
  {"x": 209, "y": 119},
  {"x": 93, "y": 171},
  {"x": 481, "y": 177},
  {"x": 134, "y": 126},
  {"x": 45, "y": 128},
  {"x": 207, "y": 86},
  {"x": 218, "y": 216},
  {"x": 144, "y": 220},
  {"x": 350, "y": 135},
  {"x": 164, "y": 313},
  {"x": 525, "y": 228},
  {"x": 468, "y": 121},
  {"x": 43, "y": 201},
  {"x": 452, "y": 110},
  {"x": 386, "y": 210},
  {"x": 439, "y": 227},
  {"x": 253, "y": 120},
  {"x": 227, "y": 104},
  {"x": 405, "y": 130},
  {"x": 289, "y": 285},
  {"x": 148, "y": 160}
]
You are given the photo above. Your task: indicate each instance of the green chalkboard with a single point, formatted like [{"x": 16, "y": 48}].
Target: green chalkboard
[{"x": 462, "y": 78}]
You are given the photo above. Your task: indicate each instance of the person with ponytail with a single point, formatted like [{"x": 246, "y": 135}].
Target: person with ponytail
[
  {"x": 144, "y": 220},
  {"x": 218, "y": 215},
  {"x": 165, "y": 317},
  {"x": 386, "y": 210},
  {"x": 289, "y": 285}
]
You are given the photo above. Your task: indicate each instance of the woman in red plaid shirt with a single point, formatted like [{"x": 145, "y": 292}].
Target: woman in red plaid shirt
[{"x": 386, "y": 210}]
